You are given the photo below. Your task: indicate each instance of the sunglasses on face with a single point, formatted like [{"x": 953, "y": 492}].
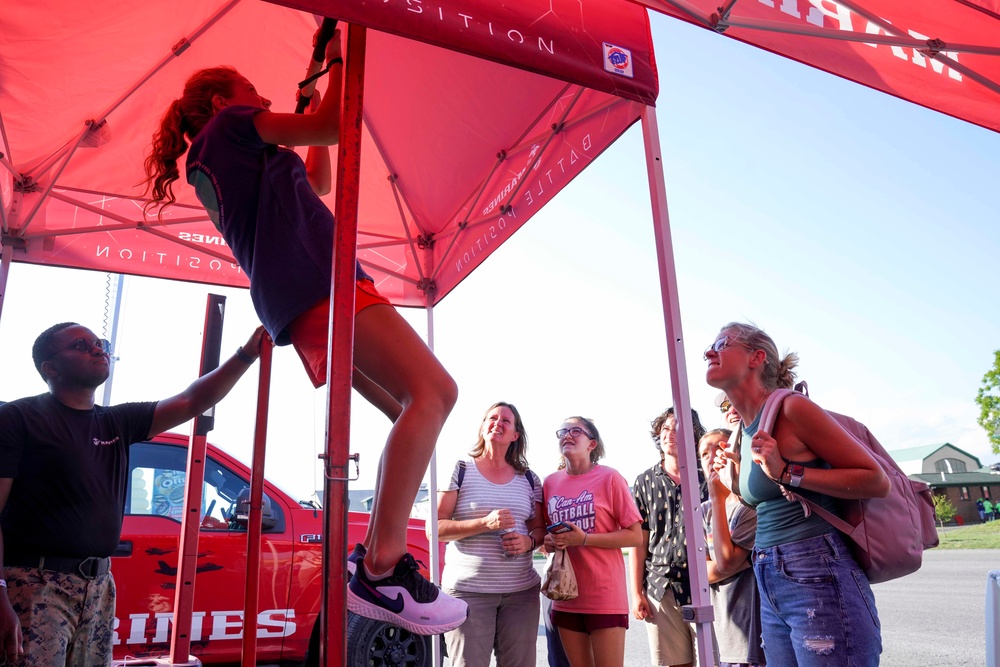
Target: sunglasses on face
[
  {"x": 86, "y": 346},
  {"x": 726, "y": 405},
  {"x": 576, "y": 432},
  {"x": 719, "y": 345}
]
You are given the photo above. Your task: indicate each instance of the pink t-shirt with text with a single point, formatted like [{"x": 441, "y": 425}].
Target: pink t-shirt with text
[{"x": 598, "y": 501}]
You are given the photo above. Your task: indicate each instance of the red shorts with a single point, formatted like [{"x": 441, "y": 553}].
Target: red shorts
[
  {"x": 587, "y": 623},
  {"x": 310, "y": 330}
]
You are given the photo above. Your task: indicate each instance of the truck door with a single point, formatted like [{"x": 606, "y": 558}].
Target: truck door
[{"x": 145, "y": 565}]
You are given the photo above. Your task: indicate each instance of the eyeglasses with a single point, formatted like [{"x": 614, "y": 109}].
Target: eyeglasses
[
  {"x": 720, "y": 345},
  {"x": 576, "y": 432},
  {"x": 85, "y": 346},
  {"x": 725, "y": 407}
]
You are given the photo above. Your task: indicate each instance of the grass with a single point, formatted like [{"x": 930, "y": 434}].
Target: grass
[{"x": 979, "y": 536}]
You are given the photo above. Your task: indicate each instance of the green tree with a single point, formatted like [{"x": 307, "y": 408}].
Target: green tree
[
  {"x": 988, "y": 398},
  {"x": 943, "y": 508}
]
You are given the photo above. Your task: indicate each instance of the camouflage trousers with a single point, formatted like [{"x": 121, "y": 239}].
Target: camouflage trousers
[{"x": 65, "y": 619}]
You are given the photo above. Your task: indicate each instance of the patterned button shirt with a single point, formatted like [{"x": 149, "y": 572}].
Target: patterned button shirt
[{"x": 659, "y": 501}]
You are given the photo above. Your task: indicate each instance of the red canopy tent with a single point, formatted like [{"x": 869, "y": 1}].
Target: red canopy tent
[
  {"x": 495, "y": 136},
  {"x": 459, "y": 151},
  {"x": 475, "y": 114},
  {"x": 941, "y": 54}
]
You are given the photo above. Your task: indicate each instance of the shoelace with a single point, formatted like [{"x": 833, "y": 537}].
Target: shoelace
[{"x": 422, "y": 589}]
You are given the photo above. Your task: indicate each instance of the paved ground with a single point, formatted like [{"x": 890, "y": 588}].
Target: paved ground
[{"x": 934, "y": 617}]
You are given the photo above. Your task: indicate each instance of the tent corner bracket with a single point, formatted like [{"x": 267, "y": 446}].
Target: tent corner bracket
[
  {"x": 14, "y": 241},
  {"x": 25, "y": 184},
  {"x": 718, "y": 22}
]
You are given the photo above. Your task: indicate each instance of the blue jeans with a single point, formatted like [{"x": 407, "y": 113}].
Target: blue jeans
[{"x": 817, "y": 607}]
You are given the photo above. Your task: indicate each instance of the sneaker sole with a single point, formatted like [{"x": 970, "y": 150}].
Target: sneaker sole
[{"x": 369, "y": 610}]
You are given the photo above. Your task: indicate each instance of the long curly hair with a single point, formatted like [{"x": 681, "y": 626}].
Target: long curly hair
[{"x": 184, "y": 119}]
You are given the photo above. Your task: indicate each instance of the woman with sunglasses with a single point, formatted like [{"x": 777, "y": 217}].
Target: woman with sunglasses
[
  {"x": 595, "y": 503},
  {"x": 817, "y": 606}
]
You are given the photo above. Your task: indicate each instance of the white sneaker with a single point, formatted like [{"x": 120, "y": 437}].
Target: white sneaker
[{"x": 406, "y": 599}]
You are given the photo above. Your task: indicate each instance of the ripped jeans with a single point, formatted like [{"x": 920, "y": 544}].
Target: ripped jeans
[{"x": 817, "y": 607}]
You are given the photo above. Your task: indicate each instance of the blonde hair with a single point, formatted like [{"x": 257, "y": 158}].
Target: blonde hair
[{"x": 775, "y": 373}]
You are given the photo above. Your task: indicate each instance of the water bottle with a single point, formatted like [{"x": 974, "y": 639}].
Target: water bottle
[{"x": 505, "y": 531}]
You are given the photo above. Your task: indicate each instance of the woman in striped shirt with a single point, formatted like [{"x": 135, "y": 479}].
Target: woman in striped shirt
[{"x": 491, "y": 517}]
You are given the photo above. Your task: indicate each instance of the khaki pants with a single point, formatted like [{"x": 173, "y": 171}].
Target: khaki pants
[
  {"x": 671, "y": 639},
  {"x": 506, "y": 622},
  {"x": 65, "y": 619}
]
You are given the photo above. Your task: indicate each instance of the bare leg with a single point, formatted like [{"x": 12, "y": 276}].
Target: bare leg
[
  {"x": 609, "y": 646},
  {"x": 391, "y": 354},
  {"x": 578, "y": 649},
  {"x": 388, "y": 406}
]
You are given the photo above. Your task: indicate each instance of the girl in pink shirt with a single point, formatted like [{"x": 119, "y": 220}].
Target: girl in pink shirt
[{"x": 595, "y": 502}]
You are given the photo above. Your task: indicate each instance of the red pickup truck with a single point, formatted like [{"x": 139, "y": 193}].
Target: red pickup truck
[{"x": 145, "y": 566}]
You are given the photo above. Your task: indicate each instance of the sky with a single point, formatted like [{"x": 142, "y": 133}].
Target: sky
[{"x": 853, "y": 227}]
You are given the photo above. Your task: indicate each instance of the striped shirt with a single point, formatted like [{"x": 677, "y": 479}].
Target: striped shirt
[{"x": 476, "y": 564}]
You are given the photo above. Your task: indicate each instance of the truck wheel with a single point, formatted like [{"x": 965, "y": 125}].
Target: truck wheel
[{"x": 378, "y": 644}]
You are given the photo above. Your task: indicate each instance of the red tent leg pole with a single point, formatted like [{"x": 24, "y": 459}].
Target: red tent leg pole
[
  {"x": 254, "y": 527},
  {"x": 333, "y": 639},
  {"x": 187, "y": 554}
]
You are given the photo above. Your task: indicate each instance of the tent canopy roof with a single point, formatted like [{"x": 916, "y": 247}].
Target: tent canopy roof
[
  {"x": 941, "y": 54},
  {"x": 469, "y": 128}
]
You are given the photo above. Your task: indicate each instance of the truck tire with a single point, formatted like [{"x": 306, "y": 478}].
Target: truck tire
[{"x": 373, "y": 643}]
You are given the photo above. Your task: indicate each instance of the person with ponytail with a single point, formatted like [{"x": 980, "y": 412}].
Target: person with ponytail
[
  {"x": 817, "y": 606},
  {"x": 265, "y": 201}
]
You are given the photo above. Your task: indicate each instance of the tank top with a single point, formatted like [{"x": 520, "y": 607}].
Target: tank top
[{"x": 778, "y": 520}]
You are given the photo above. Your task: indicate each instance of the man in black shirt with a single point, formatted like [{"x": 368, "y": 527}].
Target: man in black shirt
[
  {"x": 659, "y": 566},
  {"x": 63, "y": 476}
]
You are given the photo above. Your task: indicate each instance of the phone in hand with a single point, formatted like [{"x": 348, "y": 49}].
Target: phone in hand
[{"x": 561, "y": 527}]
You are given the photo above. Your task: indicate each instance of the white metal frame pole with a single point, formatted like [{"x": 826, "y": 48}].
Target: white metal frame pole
[
  {"x": 115, "y": 323},
  {"x": 700, "y": 610},
  {"x": 432, "y": 545},
  {"x": 6, "y": 257}
]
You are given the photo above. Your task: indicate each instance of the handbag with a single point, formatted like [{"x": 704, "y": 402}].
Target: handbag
[{"x": 560, "y": 580}]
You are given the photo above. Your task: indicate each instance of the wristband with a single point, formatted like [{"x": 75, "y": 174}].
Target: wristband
[
  {"x": 534, "y": 544},
  {"x": 244, "y": 357},
  {"x": 3, "y": 583},
  {"x": 584, "y": 540},
  {"x": 336, "y": 61},
  {"x": 781, "y": 477}
]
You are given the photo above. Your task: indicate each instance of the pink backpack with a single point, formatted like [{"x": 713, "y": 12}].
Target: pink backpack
[{"x": 889, "y": 534}]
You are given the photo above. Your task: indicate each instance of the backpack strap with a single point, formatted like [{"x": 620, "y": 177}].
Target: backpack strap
[
  {"x": 771, "y": 410},
  {"x": 461, "y": 475}
]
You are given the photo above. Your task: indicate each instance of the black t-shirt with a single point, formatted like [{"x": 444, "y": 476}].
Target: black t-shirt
[{"x": 70, "y": 472}]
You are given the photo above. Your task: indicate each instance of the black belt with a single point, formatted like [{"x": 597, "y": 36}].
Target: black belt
[{"x": 88, "y": 568}]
